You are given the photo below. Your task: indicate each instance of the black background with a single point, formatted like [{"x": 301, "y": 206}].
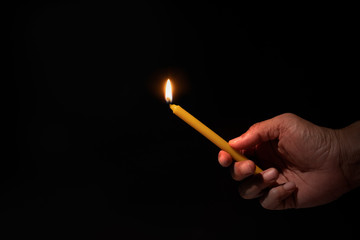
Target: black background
[{"x": 96, "y": 152}]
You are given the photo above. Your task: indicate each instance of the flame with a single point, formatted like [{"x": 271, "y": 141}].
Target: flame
[{"x": 168, "y": 92}]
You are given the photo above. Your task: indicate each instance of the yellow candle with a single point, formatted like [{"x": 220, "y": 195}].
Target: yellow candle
[{"x": 204, "y": 130}]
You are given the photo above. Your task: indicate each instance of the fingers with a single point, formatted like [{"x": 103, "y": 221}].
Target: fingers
[
  {"x": 224, "y": 158},
  {"x": 254, "y": 187},
  {"x": 276, "y": 198},
  {"x": 279, "y": 197}
]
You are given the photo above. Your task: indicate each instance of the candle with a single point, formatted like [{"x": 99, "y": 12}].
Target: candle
[{"x": 202, "y": 128}]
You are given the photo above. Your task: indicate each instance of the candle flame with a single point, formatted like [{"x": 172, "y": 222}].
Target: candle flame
[{"x": 168, "y": 92}]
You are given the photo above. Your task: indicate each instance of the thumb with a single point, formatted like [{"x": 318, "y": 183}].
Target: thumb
[{"x": 260, "y": 132}]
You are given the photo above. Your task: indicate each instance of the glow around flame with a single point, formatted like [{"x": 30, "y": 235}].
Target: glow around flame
[{"x": 168, "y": 92}]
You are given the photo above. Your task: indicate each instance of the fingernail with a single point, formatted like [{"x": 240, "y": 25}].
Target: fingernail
[
  {"x": 270, "y": 174},
  {"x": 289, "y": 186}
]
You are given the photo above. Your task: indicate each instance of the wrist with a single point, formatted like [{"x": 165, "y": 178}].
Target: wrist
[{"x": 349, "y": 142}]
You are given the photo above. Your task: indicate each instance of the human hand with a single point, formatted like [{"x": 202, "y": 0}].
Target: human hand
[{"x": 306, "y": 165}]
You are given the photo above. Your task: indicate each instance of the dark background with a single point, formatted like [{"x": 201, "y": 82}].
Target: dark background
[{"x": 96, "y": 152}]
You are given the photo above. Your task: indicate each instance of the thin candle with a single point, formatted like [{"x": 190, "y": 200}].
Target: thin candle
[{"x": 202, "y": 128}]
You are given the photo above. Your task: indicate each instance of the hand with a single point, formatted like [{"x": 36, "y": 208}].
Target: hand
[{"x": 306, "y": 165}]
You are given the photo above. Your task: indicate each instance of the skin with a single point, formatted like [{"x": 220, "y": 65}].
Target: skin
[{"x": 305, "y": 165}]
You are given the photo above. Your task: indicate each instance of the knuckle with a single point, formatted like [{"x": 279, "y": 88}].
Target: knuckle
[
  {"x": 255, "y": 126},
  {"x": 288, "y": 116}
]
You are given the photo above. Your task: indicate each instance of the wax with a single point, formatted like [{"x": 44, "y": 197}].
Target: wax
[{"x": 208, "y": 133}]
